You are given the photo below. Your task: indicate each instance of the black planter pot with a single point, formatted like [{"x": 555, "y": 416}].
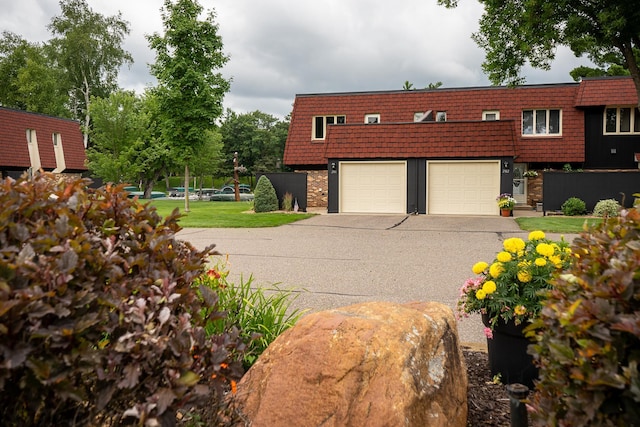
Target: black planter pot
[{"x": 507, "y": 352}]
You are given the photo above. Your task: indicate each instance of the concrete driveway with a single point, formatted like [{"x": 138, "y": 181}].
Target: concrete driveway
[{"x": 337, "y": 260}]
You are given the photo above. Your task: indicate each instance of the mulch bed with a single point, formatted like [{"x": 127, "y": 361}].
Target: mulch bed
[{"x": 488, "y": 402}]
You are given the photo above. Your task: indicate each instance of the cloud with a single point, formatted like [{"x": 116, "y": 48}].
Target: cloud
[{"x": 279, "y": 48}]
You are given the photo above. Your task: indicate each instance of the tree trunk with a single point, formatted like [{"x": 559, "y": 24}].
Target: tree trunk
[
  {"x": 87, "y": 116},
  {"x": 632, "y": 65},
  {"x": 186, "y": 188}
]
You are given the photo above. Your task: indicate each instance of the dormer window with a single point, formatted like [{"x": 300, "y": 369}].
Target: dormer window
[
  {"x": 320, "y": 124},
  {"x": 441, "y": 116},
  {"x": 372, "y": 118},
  {"x": 621, "y": 120},
  {"x": 426, "y": 116},
  {"x": 490, "y": 115}
]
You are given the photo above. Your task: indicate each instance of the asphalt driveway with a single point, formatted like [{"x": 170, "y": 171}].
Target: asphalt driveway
[{"x": 337, "y": 260}]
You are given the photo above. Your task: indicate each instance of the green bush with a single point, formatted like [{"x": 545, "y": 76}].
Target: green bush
[
  {"x": 98, "y": 316},
  {"x": 607, "y": 207},
  {"x": 574, "y": 206},
  {"x": 261, "y": 314},
  {"x": 265, "y": 198},
  {"x": 588, "y": 333}
]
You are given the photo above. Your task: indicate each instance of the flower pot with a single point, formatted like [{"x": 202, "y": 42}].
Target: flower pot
[
  {"x": 507, "y": 352},
  {"x": 506, "y": 212}
]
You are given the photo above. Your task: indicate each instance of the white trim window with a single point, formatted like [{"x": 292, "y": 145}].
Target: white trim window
[
  {"x": 621, "y": 120},
  {"x": 542, "y": 122},
  {"x": 491, "y": 115},
  {"x": 441, "y": 116},
  {"x": 320, "y": 124},
  {"x": 371, "y": 118},
  {"x": 55, "y": 137}
]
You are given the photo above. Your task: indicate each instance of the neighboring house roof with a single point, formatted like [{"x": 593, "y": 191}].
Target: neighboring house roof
[
  {"x": 462, "y": 135},
  {"x": 606, "y": 91},
  {"x": 14, "y": 147}
]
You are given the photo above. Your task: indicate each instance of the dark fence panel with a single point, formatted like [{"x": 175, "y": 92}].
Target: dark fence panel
[
  {"x": 289, "y": 182},
  {"x": 590, "y": 186}
]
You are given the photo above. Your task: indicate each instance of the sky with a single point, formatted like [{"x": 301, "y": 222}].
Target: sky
[{"x": 280, "y": 48}]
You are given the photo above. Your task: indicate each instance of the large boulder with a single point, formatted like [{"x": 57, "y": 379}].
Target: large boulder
[{"x": 370, "y": 364}]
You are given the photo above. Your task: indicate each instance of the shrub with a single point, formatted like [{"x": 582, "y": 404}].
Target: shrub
[
  {"x": 260, "y": 314},
  {"x": 287, "y": 202},
  {"x": 98, "y": 317},
  {"x": 607, "y": 207},
  {"x": 588, "y": 333},
  {"x": 265, "y": 198},
  {"x": 574, "y": 206}
]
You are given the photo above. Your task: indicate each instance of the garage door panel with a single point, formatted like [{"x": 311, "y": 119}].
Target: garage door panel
[
  {"x": 463, "y": 187},
  {"x": 373, "y": 187}
]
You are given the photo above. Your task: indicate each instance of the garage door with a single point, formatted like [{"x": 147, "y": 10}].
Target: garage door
[
  {"x": 373, "y": 187},
  {"x": 468, "y": 188}
]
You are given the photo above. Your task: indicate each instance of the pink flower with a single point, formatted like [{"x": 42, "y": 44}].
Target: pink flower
[{"x": 488, "y": 333}]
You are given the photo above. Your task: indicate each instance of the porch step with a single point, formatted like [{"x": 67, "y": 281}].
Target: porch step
[{"x": 523, "y": 206}]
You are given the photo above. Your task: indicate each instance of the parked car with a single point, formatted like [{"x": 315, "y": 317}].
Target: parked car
[
  {"x": 228, "y": 193},
  {"x": 243, "y": 188}
]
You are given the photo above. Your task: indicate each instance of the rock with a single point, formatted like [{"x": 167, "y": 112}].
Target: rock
[{"x": 370, "y": 364}]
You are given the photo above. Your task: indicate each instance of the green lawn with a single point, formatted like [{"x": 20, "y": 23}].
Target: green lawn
[
  {"x": 557, "y": 224},
  {"x": 204, "y": 214}
]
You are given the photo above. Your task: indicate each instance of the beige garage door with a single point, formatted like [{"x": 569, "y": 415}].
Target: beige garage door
[
  {"x": 373, "y": 187},
  {"x": 461, "y": 187}
]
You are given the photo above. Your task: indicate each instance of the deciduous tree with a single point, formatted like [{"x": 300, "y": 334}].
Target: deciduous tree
[
  {"x": 257, "y": 137},
  {"x": 31, "y": 79},
  {"x": 190, "y": 87},
  {"x": 520, "y": 31},
  {"x": 88, "y": 46}
]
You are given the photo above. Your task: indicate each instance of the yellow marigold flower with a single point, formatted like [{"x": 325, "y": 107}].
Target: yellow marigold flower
[
  {"x": 541, "y": 262},
  {"x": 503, "y": 256},
  {"x": 520, "y": 310},
  {"x": 556, "y": 261},
  {"x": 489, "y": 287},
  {"x": 545, "y": 249},
  {"x": 496, "y": 269},
  {"x": 479, "y": 267},
  {"x": 524, "y": 276},
  {"x": 480, "y": 294},
  {"x": 567, "y": 250},
  {"x": 513, "y": 244},
  {"x": 536, "y": 235}
]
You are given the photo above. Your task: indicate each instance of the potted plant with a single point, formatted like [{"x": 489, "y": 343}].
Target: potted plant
[
  {"x": 507, "y": 294},
  {"x": 506, "y": 203}
]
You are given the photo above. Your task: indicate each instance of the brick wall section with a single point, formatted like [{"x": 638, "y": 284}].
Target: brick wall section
[
  {"x": 534, "y": 190},
  {"x": 317, "y": 188}
]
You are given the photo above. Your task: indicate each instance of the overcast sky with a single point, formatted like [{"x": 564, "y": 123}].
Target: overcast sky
[{"x": 279, "y": 48}]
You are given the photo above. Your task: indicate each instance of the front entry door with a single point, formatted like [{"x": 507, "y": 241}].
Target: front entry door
[{"x": 519, "y": 183}]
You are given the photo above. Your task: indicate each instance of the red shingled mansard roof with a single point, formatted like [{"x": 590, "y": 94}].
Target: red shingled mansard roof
[{"x": 13, "y": 140}]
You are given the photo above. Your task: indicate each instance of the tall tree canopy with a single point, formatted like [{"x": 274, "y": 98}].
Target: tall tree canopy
[
  {"x": 519, "y": 31},
  {"x": 190, "y": 88},
  {"x": 118, "y": 122},
  {"x": 31, "y": 78},
  {"x": 89, "y": 47},
  {"x": 257, "y": 137}
]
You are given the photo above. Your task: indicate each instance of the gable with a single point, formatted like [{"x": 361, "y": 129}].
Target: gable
[{"x": 14, "y": 147}]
